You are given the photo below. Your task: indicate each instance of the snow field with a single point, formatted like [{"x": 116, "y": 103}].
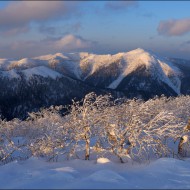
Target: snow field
[{"x": 34, "y": 173}]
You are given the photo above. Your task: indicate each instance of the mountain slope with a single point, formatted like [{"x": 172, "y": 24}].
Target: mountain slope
[
  {"x": 30, "y": 89},
  {"x": 154, "y": 67},
  {"x": 54, "y": 79},
  {"x": 119, "y": 71},
  {"x": 106, "y": 71},
  {"x": 184, "y": 66}
]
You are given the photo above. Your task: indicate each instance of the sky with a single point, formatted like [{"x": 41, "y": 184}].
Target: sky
[{"x": 33, "y": 28}]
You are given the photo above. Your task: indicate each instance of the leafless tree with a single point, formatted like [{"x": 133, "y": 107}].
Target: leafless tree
[{"x": 85, "y": 116}]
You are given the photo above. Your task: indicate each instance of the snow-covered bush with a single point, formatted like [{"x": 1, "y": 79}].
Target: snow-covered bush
[
  {"x": 46, "y": 133},
  {"x": 98, "y": 126},
  {"x": 10, "y": 146},
  {"x": 141, "y": 130},
  {"x": 84, "y": 119}
]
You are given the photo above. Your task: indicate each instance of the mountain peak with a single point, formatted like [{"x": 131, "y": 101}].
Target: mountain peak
[
  {"x": 157, "y": 67},
  {"x": 97, "y": 68}
]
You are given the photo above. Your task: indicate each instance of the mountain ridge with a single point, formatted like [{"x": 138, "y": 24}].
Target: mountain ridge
[{"x": 55, "y": 79}]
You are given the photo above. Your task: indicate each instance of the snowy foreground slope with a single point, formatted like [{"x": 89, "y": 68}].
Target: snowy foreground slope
[
  {"x": 117, "y": 134},
  {"x": 166, "y": 173}
]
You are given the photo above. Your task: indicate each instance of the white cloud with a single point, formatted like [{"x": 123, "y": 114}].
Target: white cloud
[
  {"x": 21, "y": 13},
  {"x": 67, "y": 43},
  {"x": 70, "y": 41},
  {"x": 174, "y": 27}
]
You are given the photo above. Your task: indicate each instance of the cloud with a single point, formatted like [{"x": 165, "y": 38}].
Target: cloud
[
  {"x": 67, "y": 43},
  {"x": 70, "y": 42},
  {"x": 120, "y": 5},
  {"x": 174, "y": 27},
  {"x": 184, "y": 49},
  {"x": 21, "y": 13},
  {"x": 187, "y": 42},
  {"x": 76, "y": 27},
  {"x": 15, "y": 31},
  {"x": 185, "y": 46},
  {"x": 151, "y": 38},
  {"x": 50, "y": 30}
]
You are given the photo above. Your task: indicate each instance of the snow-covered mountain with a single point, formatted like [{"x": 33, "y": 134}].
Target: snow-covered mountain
[
  {"x": 54, "y": 78},
  {"x": 137, "y": 69},
  {"x": 99, "y": 70}
]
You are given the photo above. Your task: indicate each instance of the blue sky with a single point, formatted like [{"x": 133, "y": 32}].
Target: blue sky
[{"x": 32, "y": 28}]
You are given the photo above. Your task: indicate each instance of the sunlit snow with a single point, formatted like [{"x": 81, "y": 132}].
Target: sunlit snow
[{"x": 166, "y": 173}]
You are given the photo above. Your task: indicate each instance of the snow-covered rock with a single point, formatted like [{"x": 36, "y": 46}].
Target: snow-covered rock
[{"x": 103, "y": 161}]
